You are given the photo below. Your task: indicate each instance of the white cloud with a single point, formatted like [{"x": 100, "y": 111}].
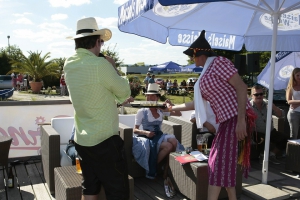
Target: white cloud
[
  {"x": 23, "y": 20},
  {"x": 120, "y": 2},
  {"x": 48, "y": 32},
  {"x": 68, "y": 3},
  {"x": 53, "y": 27},
  {"x": 21, "y": 14},
  {"x": 59, "y": 16},
  {"x": 110, "y": 22}
]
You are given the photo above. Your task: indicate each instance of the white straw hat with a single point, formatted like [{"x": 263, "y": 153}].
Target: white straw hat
[
  {"x": 153, "y": 88},
  {"x": 87, "y": 27}
]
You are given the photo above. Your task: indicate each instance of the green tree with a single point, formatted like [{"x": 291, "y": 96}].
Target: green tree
[
  {"x": 6, "y": 55},
  {"x": 36, "y": 66},
  {"x": 60, "y": 62},
  {"x": 4, "y": 63},
  {"x": 111, "y": 52}
]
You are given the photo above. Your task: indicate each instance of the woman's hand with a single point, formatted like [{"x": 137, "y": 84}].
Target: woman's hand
[
  {"x": 149, "y": 134},
  {"x": 168, "y": 101}
]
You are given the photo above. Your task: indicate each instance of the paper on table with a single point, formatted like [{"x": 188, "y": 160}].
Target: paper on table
[
  {"x": 198, "y": 155},
  {"x": 295, "y": 141}
]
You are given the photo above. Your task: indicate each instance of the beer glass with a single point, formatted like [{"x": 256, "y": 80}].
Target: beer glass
[
  {"x": 204, "y": 146},
  {"x": 199, "y": 139},
  {"x": 78, "y": 167}
]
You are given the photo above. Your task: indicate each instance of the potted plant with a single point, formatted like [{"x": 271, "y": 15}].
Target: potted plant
[{"x": 36, "y": 67}]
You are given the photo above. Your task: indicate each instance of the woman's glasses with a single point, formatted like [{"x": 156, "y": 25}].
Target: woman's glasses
[{"x": 258, "y": 94}]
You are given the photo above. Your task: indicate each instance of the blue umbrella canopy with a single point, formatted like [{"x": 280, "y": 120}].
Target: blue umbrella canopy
[
  {"x": 166, "y": 67},
  {"x": 229, "y": 24},
  {"x": 285, "y": 62}
]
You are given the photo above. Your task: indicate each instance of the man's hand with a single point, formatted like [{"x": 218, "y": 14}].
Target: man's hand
[{"x": 240, "y": 130}]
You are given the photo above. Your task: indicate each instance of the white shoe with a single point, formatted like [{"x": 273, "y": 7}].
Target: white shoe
[{"x": 167, "y": 190}]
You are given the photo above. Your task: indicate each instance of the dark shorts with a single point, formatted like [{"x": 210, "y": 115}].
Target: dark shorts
[{"x": 104, "y": 164}]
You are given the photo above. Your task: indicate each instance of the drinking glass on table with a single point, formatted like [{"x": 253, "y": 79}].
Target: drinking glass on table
[
  {"x": 204, "y": 146},
  {"x": 199, "y": 139}
]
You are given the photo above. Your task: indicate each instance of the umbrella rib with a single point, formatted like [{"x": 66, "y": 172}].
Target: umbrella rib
[
  {"x": 290, "y": 8},
  {"x": 251, "y": 6}
]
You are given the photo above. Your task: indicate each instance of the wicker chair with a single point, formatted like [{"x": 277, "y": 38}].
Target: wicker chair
[
  {"x": 126, "y": 133},
  {"x": 189, "y": 132},
  {"x": 5, "y": 143}
]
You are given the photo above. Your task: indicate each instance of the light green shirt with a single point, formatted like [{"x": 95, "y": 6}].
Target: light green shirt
[{"x": 94, "y": 87}]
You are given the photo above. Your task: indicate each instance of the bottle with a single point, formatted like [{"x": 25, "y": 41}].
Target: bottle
[
  {"x": 78, "y": 167},
  {"x": 10, "y": 178}
]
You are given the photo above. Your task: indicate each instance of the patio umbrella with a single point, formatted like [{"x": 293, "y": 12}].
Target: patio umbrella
[
  {"x": 260, "y": 25},
  {"x": 188, "y": 68},
  {"x": 285, "y": 62}
]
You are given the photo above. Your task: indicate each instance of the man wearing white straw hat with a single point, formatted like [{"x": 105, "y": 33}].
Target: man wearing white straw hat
[{"x": 95, "y": 86}]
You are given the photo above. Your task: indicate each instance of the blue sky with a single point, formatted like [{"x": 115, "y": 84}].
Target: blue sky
[{"x": 43, "y": 25}]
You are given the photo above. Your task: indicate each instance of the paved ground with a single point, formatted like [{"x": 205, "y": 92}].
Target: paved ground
[{"x": 22, "y": 96}]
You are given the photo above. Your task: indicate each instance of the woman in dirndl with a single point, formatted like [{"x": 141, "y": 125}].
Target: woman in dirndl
[{"x": 221, "y": 85}]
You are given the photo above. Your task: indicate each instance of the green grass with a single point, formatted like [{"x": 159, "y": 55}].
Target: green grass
[{"x": 176, "y": 99}]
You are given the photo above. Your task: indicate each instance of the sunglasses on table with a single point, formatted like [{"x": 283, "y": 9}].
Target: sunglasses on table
[{"x": 258, "y": 94}]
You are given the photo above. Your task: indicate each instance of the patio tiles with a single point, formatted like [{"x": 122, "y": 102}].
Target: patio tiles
[
  {"x": 291, "y": 186},
  {"x": 262, "y": 192},
  {"x": 257, "y": 174}
]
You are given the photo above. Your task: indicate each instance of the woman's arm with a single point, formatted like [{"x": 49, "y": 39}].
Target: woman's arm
[
  {"x": 294, "y": 103},
  {"x": 241, "y": 92},
  {"x": 149, "y": 134},
  {"x": 181, "y": 107}
]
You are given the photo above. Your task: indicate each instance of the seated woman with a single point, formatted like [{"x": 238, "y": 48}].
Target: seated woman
[
  {"x": 175, "y": 87},
  {"x": 183, "y": 85},
  {"x": 151, "y": 146},
  {"x": 169, "y": 86}
]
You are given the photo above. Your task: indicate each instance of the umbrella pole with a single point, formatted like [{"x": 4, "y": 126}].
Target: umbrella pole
[{"x": 270, "y": 98}]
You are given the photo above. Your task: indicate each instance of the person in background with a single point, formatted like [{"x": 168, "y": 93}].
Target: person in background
[
  {"x": 146, "y": 82},
  {"x": 169, "y": 87},
  {"x": 152, "y": 79},
  {"x": 19, "y": 81},
  {"x": 183, "y": 85},
  {"x": 94, "y": 86},
  {"x": 70, "y": 149},
  {"x": 260, "y": 107},
  {"x": 293, "y": 99},
  {"x": 160, "y": 145},
  {"x": 210, "y": 127},
  {"x": 63, "y": 85},
  {"x": 221, "y": 86},
  {"x": 175, "y": 87},
  {"x": 191, "y": 85}
]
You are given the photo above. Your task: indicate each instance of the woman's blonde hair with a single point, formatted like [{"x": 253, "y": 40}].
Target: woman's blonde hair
[{"x": 292, "y": 80}]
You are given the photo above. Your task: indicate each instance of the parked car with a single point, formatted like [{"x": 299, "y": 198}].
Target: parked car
[
  {"x": 159, "y": 81},
  {"x": 5, "y": 82},
  {"x": 279, "y": 98},
  {"x": 193, "y": 78}
]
